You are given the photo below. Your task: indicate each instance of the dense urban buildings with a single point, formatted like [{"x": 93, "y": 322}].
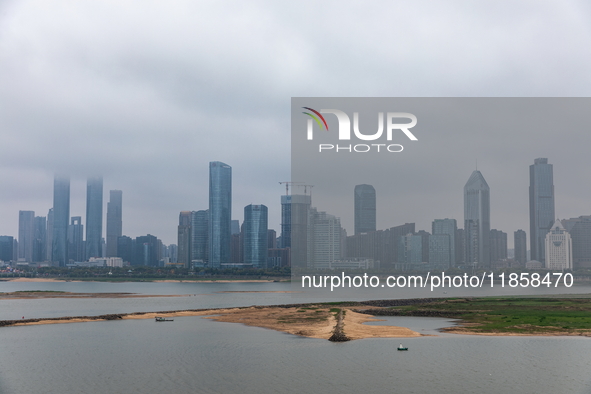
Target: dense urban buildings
[
  {"x": 541, "y": 206},
  {"x": 114, "y": 221},
  {"x": 220, "y": 213},
  {"x": 559, "y": 248},
  {"x": 310, "y": 238},
  {"x": 365, "y": 209},
  {"x": 477, "y": 220},
  {"x": 61, "y": 217}
]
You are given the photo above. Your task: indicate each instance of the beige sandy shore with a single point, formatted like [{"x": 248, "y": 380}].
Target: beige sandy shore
[{"x": 317, "y": 322}]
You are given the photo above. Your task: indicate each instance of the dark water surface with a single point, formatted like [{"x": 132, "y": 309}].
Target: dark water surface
[{"x": 197, "y": 355}]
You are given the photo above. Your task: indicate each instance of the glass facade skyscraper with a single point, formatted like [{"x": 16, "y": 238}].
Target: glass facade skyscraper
[
  {"x": 184, "y": 239},
  {"x": 477, "y": 220},
  {"x": 94, "y": 217},
  {"x": 200, "y": 235},
  {"x": 61, "y": 217},
  {"x": 541, "y": 206},
  {"x": 295, "y": 210},
  {"x": 114, "y": 221},
  {"x": 255, "y": 235},
  {"x": 26, "y": 235},
  {"x": 365, "y": 209},
  {"x": 220, "y": 213}
]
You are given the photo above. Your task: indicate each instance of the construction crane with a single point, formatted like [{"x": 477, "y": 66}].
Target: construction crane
[
  {"x": 306, "y": 188},
  {"x": 287, "y": 183}
]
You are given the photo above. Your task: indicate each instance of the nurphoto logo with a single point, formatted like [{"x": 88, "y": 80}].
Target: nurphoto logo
[{"x": 344, "y": 131}]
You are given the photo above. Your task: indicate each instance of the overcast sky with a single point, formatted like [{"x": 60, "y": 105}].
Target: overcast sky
[{"x": 148, "y": 93}]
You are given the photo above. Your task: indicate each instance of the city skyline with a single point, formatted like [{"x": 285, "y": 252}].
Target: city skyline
[{"x": 164, "y": 234}]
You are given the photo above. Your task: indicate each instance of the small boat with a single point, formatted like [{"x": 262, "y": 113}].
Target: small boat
[
  {"x": 401, "y": 347},
  {"x": 159, "y": 318}
]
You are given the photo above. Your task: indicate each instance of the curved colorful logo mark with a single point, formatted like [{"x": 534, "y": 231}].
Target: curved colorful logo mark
[{"x": 315, "y": 118}]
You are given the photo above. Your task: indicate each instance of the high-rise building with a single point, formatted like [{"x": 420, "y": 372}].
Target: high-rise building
[
  {"x": 324, "y": 240},
  {"x": 125, "y": 248},
  {"x": 365, "y": 209},
  {"x": 477, "y": 220},
  {"x": 94, "y": 217},
  {"x": 559, "y": 248},
  {"x": 6, "y": 248},
  {"x": 220, "y": 213},
  {"x": 255, "y": 235},
  {"x": 541, "y": 206},
  {"x": 272, "y": 239},
  {"x": 498, "y": 245},
  {"x": 75, "y": 241},
  {"x": 449, "y": 227},
  {"x": 61, "y": 217},
  {"x": 49, "y": 236},
  {"x": 410, "y": 251},
  {"x": 294, "y": 227},
  {"x": 146, "y": 250},
  {"x": 40, "y": 239},
  {"x": 235, "y": 226},
  {"x": 440, "y": 254},
  {"x": 200, "y": 235},
  {"x": 580, "y": 232},
  {"x": 520, "y": 245},
  {"x": 26, "y": 235},
  {"x": 114, "y": 221},
  {"x": 184, "y": 239}
]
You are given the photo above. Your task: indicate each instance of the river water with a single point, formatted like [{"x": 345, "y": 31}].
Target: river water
[{"x": 197, "y": 355}]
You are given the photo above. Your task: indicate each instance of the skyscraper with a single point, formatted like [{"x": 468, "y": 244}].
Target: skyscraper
[
  {"x": 75, "y": 241},
  {"x": 220, "y": 213},
  {"x": 61, "y": 216},
  {"x": 199, "y": 235},
  {"x": 49, "y": 236},
  {"x": 477, "y": 220},
  {"x": 294, "y": 227},
  {"x": 114, "y": 221},
  {"x": 541, "y": 206},
  {"x": 184, "y": 239},
  {"x": 580, "y": 233},
  {"x": 365, "y": 209},
  {"x": 255, "y": 235},
  {"x": 94, "y": 217},
  {"x": 520, "y": 245},
  {"x": 6, "y": 248},
  {"x": 324, "y": 239},
  {"x": 449, "y": 227},
  {"x": 26, "y": 235}
]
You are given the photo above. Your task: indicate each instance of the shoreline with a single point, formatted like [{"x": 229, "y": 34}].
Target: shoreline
[
  {"x": 326, "y": 320},
  {"x": 53, "y": 280}
]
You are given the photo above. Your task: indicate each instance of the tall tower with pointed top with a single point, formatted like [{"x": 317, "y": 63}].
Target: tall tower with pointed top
[{"x": 477, "y": 220}]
